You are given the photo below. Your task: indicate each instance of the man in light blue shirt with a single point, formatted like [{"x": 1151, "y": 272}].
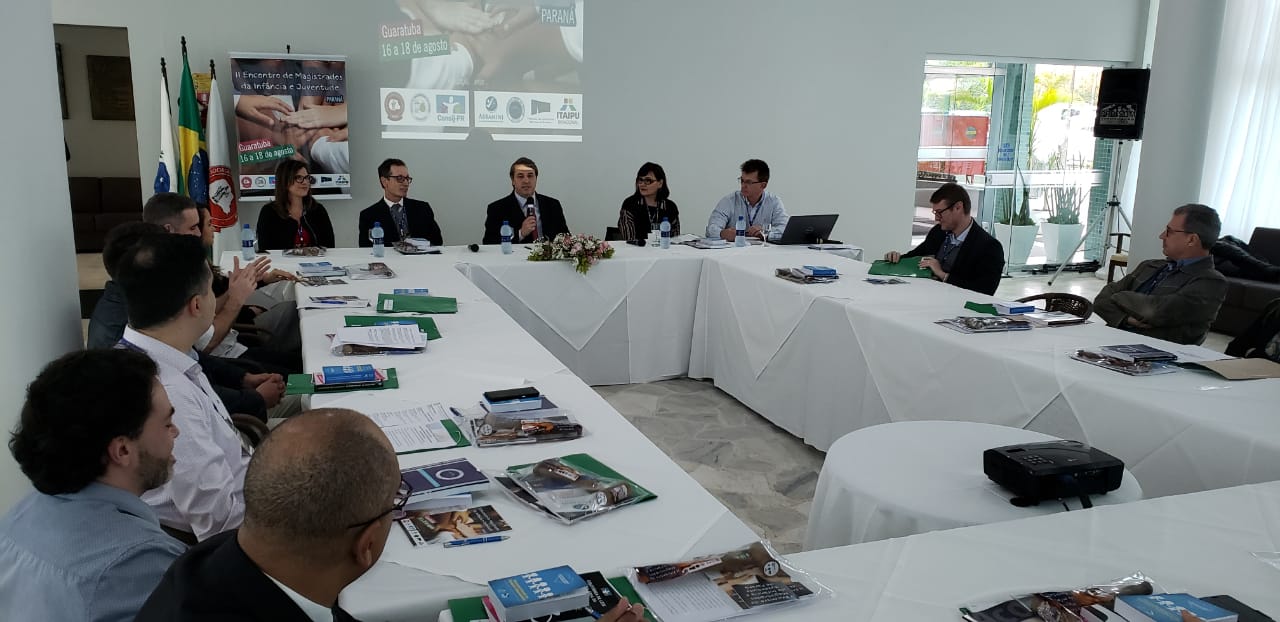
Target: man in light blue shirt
[
  {"x": 95, "y": 433},
  {"x": 762, "y": 210}
]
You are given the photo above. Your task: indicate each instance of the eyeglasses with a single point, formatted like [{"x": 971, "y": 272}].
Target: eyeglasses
[
  {"x": 644, "y": 181},
  {"x": 748, "y": 182},
  {"x": 404, "y": 179},
  {"x": 939, "y": 212},
  {"x": 310, "y": 179},
  {"x": 1168, "y": 231},
  {"x": 396, "y": 510}
]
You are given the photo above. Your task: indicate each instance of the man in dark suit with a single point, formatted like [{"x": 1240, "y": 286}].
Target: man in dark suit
[
  {"x": 319, "y": 497},
  {"x": 958, "y": 250},
  {"x": 531, "y": 215},
  {"x": 396, "y": 211}
]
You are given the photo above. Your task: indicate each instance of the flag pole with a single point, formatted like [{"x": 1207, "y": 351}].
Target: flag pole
[{"x": 164, "y": 73}]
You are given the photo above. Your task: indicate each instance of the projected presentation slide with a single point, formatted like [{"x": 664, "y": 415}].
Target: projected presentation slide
[{"x": 506, "y": 68}]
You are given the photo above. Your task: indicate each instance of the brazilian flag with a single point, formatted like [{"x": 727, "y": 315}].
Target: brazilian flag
[{"x": 193, "y": 156}]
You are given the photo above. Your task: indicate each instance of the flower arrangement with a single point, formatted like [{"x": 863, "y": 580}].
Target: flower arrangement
[{"x": 584, "y": 250}]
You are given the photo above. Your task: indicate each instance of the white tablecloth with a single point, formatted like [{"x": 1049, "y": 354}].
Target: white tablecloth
[
  {"x": 822, "y": 361},
  {"x": 899, "y": 479},
  {"x": 482, "y": 348},
  {"x": 629, "y": 319},
  {"x": 1199, "y": 543}
]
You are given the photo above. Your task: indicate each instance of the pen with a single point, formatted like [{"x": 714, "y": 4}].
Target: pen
[
  {"x": 467, "y": 541},
  {"x": 331, "y": 302}
]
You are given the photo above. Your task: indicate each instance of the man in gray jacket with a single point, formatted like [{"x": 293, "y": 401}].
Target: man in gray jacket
[{"x": 1174, "y": 299}]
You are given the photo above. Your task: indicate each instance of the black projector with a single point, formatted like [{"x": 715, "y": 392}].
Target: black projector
[{"x": 1052, "y": 470}]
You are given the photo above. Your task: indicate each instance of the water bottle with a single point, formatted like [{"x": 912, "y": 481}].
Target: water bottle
[
  {"x": 376, "y": 235},
  {"x": 246, "y": 243},
  {"x": 664, "y": 230},
  {"x": 654, "y": 234},
  {"x": 505, "y": 232},
  {"x": 741, "y": 238}
]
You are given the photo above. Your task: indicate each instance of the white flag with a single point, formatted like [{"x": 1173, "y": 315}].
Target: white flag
[
  {"x": 222, "y": 192},
  {"x": 165, "y": 170}
]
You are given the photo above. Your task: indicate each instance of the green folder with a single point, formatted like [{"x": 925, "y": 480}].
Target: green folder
[
  {"x": 455, "y": 433},
  {"x": 980, "y": 307},
  {"x": 425, "y": 324},
  {"x": 301, "y": 384},
  {"x": 907, "y": 266},
  {"x": 588, "y": 463},
  {"x": 395, "y": 303}
]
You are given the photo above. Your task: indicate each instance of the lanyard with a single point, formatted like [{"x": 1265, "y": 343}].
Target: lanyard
[{"x": 750, "y": 216}]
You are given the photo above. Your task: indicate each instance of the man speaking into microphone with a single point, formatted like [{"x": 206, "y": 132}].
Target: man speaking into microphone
[{"x": 531, "y": 215}]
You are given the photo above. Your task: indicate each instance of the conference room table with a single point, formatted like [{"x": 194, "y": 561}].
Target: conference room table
[
  {"x": 1201, "y": 543},
  {"x": 481, "y": 348},
  {"x": 823, "y": 360}
]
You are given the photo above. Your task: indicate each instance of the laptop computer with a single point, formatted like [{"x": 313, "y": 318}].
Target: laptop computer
[{"x": 808, "y": 229}]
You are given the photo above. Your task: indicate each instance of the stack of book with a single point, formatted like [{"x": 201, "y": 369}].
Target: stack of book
[
  {"x": 1004, "y": 307},
  {"x": 443, "y": 479},
  {"x": 333, "y": 302},
  {"x": 536, "y": 594},
  {"x": 1043, "y": 319},
  {"x": 416, "y": 246},
  {"x": 374, "y": 270},
  {"x": 320, "y": 269},
  {"x": 808, "y": 274},
  {"x": 347, "y": 377},
  {"x": 602, "y": 596}
]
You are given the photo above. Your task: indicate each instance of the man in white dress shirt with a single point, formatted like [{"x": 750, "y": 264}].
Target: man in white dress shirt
[{"x": 168, "y": 284}]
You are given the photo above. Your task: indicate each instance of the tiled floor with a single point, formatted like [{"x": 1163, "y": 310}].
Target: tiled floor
[{"x": 764, "y": 475}]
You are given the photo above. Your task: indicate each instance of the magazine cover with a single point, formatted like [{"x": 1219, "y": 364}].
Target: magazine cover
[
  {"x": 739, "y": 582},
  {"x": 424, "y": 527},
  {"x": 1059, "y": 606},
  {"x": 1132, "y": 368},
  {"x": 540, "y": 426},
  {"x": 577, "y": 487},
  {"x": 984, "y": 324}
]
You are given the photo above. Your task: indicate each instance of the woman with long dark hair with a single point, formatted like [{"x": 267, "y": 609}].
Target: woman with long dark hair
[
  {"x": 643, "y": 211},
  {"x": 294, "y": 219}
]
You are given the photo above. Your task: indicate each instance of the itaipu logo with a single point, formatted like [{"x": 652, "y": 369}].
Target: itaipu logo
[
  {"x": 393, "y": 105},
  {"x": 568, "y": 111}
]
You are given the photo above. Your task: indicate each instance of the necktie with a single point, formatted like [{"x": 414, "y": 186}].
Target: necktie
[
  {"x": 1150, "y": 284},
  {"x": 402, "y": 221},
  {"x": 528, "y": 211}
]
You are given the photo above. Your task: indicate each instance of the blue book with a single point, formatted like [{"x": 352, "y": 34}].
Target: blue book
[
  {"x": 411, "y": 291},
  {"x": 537, "y": 594},
  {"x": 338, "y": 374},
  {"x": 818, "y": 271},
  {"x": 1169, "y": 607}
]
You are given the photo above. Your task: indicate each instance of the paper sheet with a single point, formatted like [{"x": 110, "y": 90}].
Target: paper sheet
[
  {"x": 415, "y": 429},
  {"x": 398, "y": 336}
]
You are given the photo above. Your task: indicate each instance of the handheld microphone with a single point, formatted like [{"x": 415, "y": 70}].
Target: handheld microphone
[{"x": 475, "y": 248}]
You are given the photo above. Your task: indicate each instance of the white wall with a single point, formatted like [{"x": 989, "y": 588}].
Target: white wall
[
  {"x": 1183, "y": 62},
  {"x": 827, "y": 91},
  {"x": 99, "y": 148},
  {"x": 42, "y": 311}
]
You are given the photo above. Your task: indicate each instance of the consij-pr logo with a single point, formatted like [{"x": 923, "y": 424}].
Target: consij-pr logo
[
  {"x": 515, "y": 109},
  {"x": 568, "y": 114},
  {"x": 451, "y": 108}
]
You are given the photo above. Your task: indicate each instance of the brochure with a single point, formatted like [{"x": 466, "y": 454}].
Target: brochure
[{"x": 425, "y": 527}]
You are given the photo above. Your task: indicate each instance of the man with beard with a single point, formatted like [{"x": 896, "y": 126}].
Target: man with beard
[{"x": 95, "y": 433}]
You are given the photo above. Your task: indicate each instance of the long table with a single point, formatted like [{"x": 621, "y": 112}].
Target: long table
[
  {"x": 1199, "y": 543},
  {"x": 823, "y": 360},
  {"x": 482, "y": 348}
]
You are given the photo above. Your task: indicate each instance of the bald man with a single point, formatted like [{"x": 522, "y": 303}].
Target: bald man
[{"x": 319, "y": 497}]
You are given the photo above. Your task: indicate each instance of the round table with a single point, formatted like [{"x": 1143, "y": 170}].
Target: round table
[{"x": 899, "y": 479}]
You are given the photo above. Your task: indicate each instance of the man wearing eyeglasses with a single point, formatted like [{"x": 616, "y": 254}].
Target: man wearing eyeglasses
[
  {"x": 400, "y": 216},
  {"x": 321, "y": 495},
  {"x": 1175, "y": 299},
  {"x": 957, "y": 250},
  {"x": 762, "y": 210}
]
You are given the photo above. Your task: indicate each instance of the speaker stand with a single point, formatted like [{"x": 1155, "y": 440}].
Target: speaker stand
[{"x": 1107, "y": 222}]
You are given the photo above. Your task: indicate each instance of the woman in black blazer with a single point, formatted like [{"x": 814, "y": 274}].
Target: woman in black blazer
[
  {"x": 294, "y": 219},
  {"x": 645, "y": 209}
]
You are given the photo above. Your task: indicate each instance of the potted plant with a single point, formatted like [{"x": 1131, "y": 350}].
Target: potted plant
[
  {"x": 1014, "y": 227},
  {"x": 1063, "y": 229}
]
